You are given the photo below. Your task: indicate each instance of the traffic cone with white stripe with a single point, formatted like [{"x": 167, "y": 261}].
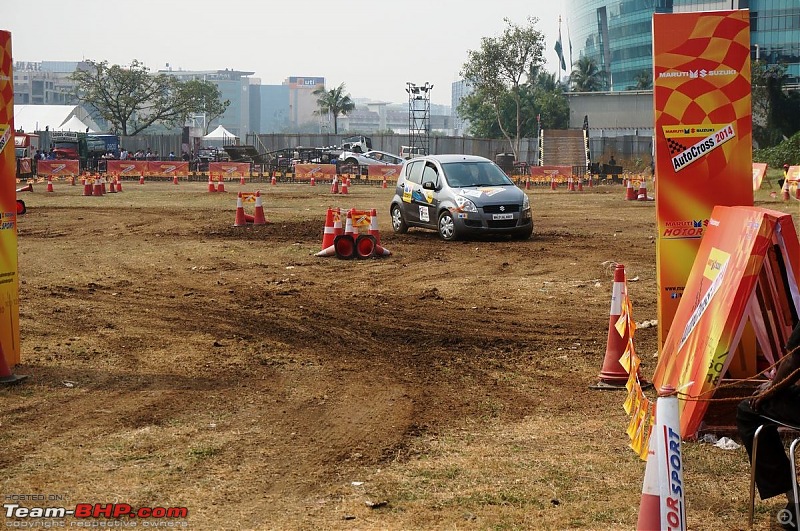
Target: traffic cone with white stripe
[
  {"x": 345, "y": 186},
  {"x": 335, "y": 185},
  {"x": 613, "y": 375},
  {"x": 211, "y": 187},
  {"x": 50, "y": 183},
  {"x": 221, "y": 184},
  {"x": 384, "y": 185},
  {"x": 650, "y": 505},
  {"x": 112, "y": 188},
  {"x": 630, "y": 193},
  {"x": 373, "y": 231},
  {"x": 642, "y": 196},
  {"x": 553, "y": 184},
  {"x": 175, "y": 180},
  {"x": 345, "y": 244},
  {"x": 329, "y": 233},
  {"x": 313, "y": 181},
  {"x": 241, "y": 220},
  {"x": 580, "y": 184},
  {"x": 259, "y": 218}
]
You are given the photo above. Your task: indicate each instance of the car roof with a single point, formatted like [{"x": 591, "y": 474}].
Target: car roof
[{"x": 444, "y": 159}]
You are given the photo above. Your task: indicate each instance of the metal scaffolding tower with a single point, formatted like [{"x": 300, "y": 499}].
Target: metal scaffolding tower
[{"x": 419, "y": 116}]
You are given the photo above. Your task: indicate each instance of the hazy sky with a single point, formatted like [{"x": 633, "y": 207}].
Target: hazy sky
[{"x": 374, "y": 48}]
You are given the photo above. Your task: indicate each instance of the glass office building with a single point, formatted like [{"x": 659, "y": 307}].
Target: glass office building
[{"x": 617, "y": 34}]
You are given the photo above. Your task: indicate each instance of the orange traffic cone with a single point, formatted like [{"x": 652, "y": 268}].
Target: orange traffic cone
[
  {"x": 590, "y": 180},
  {"x": 650, "y": 506},
  {"x": 97, "y": 189},
  {"x": 580, "y": 184},
  {"x": 527, "y": 184},
  {"x": 570, "y": 184},
  {"x": 259, "y": 218},
  {"x": 335, "y": 185},
  {"x": 784, "y": 189},
  {"x": 175, "y": 180},
  {"x": 384, "y": 185},
  {"x": 373, "y": 231},
  {"x": 312, "y": 182},
  {"x": 240, "y": 220},
  {"x": 642, "y": 196},
  {"x": 211, "y": 186},
  {"x": 613, "y": 375},
  {"x": 87, "y": 187},
  {"x": 553, "y": 184},
  {"x": 345, "y": 244},
  {"x": 365, "y": 245},
  {"x": 348, "y": 227},
  {"x": 119, "y": 184},
  {"x": 274, "y": 181},
  {"x": 241, "y": 180},
  {"x": 221, "y": 185},
  {"x": 329, "y": 233},
  {"x": 50, "y": 184},
  {"x": 72, "y": 180},
  {"x": 630, "y": 193},
  {"x": 6, "y": 376},
  {"x": 141, "y": 179},
  {"x": 345, "y": 185},
  {"x": 112, "y": 188}
]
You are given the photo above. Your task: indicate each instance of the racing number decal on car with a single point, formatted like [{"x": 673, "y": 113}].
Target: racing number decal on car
[{"x": 424, "y": 214}]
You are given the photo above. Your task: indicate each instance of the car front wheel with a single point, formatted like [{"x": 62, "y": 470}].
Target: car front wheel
[
  {"x": 398, "y": 223},
  {"x": 447, "y": 226}
]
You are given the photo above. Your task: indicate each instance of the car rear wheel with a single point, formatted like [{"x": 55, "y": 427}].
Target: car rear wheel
[
  {"x": 447, "y": 227},
  {"x": 398, "y": 223}
]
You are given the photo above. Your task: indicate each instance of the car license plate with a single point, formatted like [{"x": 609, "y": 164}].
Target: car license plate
[{"x": 496, "y": 217}]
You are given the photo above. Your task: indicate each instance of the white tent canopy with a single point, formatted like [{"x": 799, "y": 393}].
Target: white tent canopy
[
  {"x": 220, "y": 133},
  {"x": 32, "y": 118},
  {"x": 75, "y": 124}
]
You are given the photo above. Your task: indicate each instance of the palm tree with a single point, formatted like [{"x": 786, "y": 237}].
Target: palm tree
[
  {"x": 333, "y": 101},
  {"x": 586, "y": 76}
]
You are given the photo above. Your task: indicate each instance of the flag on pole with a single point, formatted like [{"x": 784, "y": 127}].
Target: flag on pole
[{"x": 559, "y": 50}]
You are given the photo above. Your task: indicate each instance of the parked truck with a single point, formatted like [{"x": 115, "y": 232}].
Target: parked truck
[
  {"x": 88, "y": 148},
  {"x": 25, "y": 147}
]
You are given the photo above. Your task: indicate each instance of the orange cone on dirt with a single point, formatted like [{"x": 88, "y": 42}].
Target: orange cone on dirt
[
  {"x": 141, "y": 179},
  {"x": 221, "y": 185},
  {"x": 613, "y": 375},
  {"x": 274, "y": 181},
  {"x": 241, "y": 180},
  {"x": 527, "y": 184},
  {"x": 335, "y": 185},
  {"x": 6, "y": 376},
  {"x": 384, "y": 185},
  {"x": 211, "y": 186},
  {"x": 97, "y": 189},
  {"x": 650, "y": 506},
  {"x": 373, "y": 231},
  {"x": 119, "y": 184},
  {"x": 553, "y": 185},
  {"x": 112, "y": 188},
  {"x": 313, "y": 182},
  {"x": 258, "y": 217},
  {"x": 348, "y": 226},
  {"x": 240, "y": 220},
  {"x": 630, "y": 193},
  {"x": 329, "y": 233},
  {"x": 87, "y": 187},
  {"x": 72, "y": 180},
  {"x": 345, "y": 185},
  {"x": 50, "y": 184},
  {"x": 580, "y": 184},
  {"x": 175, "y": 180},
  {"x": 642, "y": 195}
]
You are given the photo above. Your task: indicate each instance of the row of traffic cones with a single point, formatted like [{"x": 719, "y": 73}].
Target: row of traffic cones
[
  {"x": 215, "y": 188},
  {"x": 348, "y": 243},
  {"x": 243, "y": 219},
  {"x": 632, "y": 194},
  {"x": 335, "y": 185},
  {"x": 100, "y": 186}
]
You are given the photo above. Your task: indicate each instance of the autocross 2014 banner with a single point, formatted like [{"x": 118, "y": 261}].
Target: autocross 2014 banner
[
  {"x": 701, "y": 85},
  {"x": 9, "y": 281}
]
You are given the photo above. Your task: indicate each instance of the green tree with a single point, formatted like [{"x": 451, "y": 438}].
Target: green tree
[
  {"x": 208, "y": 98},
  {"x": 644, "y": 80},
  {"x": 543, "y": 98},
  {"x": 131, "y": 99},
  {"x": 586, "y": 76},
  {"x": 333, "y": 101},
  {"x": 776, "y": 111},
  {"x": 497, "y": 71}
]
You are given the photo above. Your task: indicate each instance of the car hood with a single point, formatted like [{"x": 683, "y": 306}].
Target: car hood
[{"x": 491, "y": 195}]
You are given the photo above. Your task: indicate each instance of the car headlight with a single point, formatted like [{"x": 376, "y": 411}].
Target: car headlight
[
  {"x": 526, "y": 202},
  {"x": 465, "y": 205}
]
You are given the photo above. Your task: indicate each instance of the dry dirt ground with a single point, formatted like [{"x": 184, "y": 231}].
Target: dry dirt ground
[{"x": 178, "y": 361}]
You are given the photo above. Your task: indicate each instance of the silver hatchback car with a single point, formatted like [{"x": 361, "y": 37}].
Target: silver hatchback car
[{"x": 459, "y": 195}]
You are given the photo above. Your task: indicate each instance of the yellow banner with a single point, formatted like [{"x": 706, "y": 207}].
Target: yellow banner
[{"x": 9, "y": 280}]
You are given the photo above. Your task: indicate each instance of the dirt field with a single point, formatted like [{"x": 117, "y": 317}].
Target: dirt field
[{"x": 178, "y": 361}]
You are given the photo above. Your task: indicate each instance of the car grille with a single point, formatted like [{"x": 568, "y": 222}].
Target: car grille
[
  {"x": 502, "y": 224},
  {"x": 496, "y": 209}
]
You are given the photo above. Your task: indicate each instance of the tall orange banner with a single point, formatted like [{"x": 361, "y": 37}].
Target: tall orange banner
[
  {"x": 9, "y": 280},
  {"x": 703, "y": 136}
]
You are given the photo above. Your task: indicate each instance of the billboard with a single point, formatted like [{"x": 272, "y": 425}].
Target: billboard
[{"x": 703, "y": 130}]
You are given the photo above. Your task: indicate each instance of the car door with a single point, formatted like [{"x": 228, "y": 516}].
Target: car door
[
  {"x": 426, "y": 199},
  {"x": 411, "y": 187}
]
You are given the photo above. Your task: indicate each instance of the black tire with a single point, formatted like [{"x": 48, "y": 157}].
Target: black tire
[
  {"x": 524, "y": 235},
  {"x": 21, "y": 207},
  {"x": 447, "y": 226},
  {"x": 398, "y": 223}
]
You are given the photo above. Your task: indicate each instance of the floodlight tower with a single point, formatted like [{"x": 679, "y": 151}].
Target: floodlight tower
[{"x": 419, "y": 116}]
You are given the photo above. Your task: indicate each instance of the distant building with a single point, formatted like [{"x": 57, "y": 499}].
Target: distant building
[
  {"x": 44, "y": 83},
  {"x": 269, "y": 108},
  {"x": 302, "y": 102},
  {"x": 459, "y": 89},
  {"x": 617, "y": 34}
]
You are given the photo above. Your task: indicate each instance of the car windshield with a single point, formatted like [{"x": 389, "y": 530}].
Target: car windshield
[{"x": 465, "y": 174}]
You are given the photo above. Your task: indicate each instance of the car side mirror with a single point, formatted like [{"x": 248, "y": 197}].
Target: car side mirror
[{"x": 429, "y": 185}]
